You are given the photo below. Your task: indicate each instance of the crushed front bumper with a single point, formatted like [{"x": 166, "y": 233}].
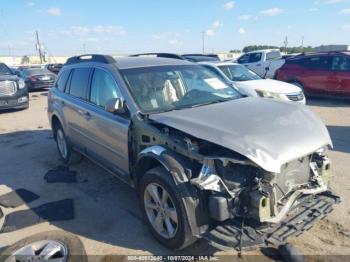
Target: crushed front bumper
[{"x": 303, "y": 215}]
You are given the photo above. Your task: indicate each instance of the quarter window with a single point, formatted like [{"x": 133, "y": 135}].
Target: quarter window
[
  {"x": 341, "y": 63},
  {"x": 61, "y": 82},
  {"x": 79, "y": 82},
  {"x": 103, "y": 88}
]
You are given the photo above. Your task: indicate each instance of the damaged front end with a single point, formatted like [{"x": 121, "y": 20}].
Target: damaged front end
[{"x": 251, "y": 206}]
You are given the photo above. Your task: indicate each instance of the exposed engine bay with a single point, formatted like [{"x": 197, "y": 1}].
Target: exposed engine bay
[{"x": 236, "y": 188}]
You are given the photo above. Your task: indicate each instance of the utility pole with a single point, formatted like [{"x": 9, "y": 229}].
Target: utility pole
[
  {"x": 285, "y": 44},
  {"x": 203, "y": 42},
  {"x": 302, "y": 43},
  {"x": 38, "y": 46}
]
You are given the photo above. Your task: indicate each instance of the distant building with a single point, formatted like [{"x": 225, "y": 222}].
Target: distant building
[{"x": 332, "y": 48}]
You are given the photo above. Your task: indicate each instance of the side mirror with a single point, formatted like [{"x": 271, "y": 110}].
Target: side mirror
[{"x": 115, "y": 106}]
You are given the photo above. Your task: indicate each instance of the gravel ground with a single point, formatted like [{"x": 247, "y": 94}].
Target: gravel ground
[{"x": 107, "y": 216}]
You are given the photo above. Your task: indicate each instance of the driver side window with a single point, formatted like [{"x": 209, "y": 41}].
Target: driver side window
[{"x": 103, "y": 88}]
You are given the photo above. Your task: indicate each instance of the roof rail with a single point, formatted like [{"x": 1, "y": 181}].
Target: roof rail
[
  {"x": 163, "y": 55},
  {"x": 105, "y": 59}
]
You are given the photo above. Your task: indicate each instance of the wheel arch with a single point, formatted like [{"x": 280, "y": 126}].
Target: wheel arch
[{"x": 180, "y": 168}]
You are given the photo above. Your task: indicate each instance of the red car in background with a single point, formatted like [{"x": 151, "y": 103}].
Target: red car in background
[{"x": 318, "y": 73}]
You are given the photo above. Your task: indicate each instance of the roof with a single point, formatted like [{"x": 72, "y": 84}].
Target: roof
[
  {"x": 310, "y": 54},
  {"x": 263, "y": 51},
  {"x": 218, "y": 63},
  {"x": 136, "y": 62}
]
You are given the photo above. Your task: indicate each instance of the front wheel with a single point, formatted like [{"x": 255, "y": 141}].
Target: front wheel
[
  {"x": 164, "y": 210},
  {"x": 300, "y": 85}
]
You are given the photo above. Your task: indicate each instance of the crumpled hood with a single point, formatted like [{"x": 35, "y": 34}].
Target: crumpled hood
[
  {"x": 268, "y": 132},
  {"x": 267, "y": 85}
]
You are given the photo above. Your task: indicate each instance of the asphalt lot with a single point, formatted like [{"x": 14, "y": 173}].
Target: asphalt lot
[{"x": 107, "y": 215}]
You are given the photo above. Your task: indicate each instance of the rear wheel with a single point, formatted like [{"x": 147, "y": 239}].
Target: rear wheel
[
  {"x": 164, "y": 210},
  {"x": 67, "y": 154}
]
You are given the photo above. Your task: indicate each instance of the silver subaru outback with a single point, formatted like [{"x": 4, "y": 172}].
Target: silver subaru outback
[{"x": 206, "y": 162}]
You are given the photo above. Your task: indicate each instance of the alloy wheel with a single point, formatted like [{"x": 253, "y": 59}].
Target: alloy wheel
[
  {"x": 62, "y": 143},
  {"x": 161, "y": 211},
  {"x": 46, "y": 250}
]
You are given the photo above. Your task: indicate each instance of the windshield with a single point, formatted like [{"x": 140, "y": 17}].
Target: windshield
[
  {"x": 238, "y": 73},
  {"x": 4, "y": 70},
  {"x": 164, "y": 88}
]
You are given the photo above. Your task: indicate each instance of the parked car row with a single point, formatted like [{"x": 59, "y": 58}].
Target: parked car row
[{"x": 205, "y": 161}]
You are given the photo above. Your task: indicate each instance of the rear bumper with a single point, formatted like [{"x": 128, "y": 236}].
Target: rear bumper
[
  {"x": 16, "y": 101},
  {"x": 303, "y": 215},
  {"x": 39, "y": 85}
]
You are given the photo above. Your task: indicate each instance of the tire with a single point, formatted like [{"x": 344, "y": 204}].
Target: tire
[
  {"x": 65, "y": 150},
  {"x": 75, "y": 249},
  {"x": 300, "y": 85},
  {"x": 182, "y": 235}
]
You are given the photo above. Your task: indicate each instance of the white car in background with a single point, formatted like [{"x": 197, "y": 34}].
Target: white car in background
[
  {"x": 265, "y": 63},
  {"x": 251, "y": 84}
]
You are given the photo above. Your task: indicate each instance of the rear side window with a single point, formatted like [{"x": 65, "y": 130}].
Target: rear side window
[
  {"x": 341, "y": 63},
  {"x": 215, "y": 71},
  {"x": 79, "y": 82},
  {"x": 317, "y": 63},
  {"x": 255, "y": 57},
  {"x": 62, "y": 81}
]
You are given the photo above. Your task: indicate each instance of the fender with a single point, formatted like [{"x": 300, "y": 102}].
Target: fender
[{"x": 180, "y": 168}]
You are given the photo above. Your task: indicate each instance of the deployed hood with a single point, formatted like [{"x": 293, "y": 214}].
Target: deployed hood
[
  {"x": 268, "y": 132},
  {"x": 267, "y": 85}
]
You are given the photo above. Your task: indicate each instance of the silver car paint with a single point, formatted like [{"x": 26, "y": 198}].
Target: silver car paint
[{"x": 268, "y": 132}]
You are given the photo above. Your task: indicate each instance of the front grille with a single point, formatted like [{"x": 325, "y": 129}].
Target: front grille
[
  {"x": 296, "y": 96},
  {"x": 294, "y": 173},
  {"x": 7, "y": 88}
]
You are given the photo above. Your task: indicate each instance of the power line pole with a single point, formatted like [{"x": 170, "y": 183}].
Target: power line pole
[
  {"x": 285, "y": 44},
  {"x": 38, "y": 46},
  {"x": 203, "y": 42}
]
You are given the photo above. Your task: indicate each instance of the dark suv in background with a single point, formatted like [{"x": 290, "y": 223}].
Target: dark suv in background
[
  {"x": 319, "y": 73},
  {"x": 13, "y": 91}
]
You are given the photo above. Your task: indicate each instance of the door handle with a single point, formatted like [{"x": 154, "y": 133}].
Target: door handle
[{"x": 85, "y": 114}]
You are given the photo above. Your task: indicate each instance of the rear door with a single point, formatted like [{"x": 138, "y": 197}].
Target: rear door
[
  {"x": 107, "y": 133},
  {"x": 75, "y": 106},
  {"x": 340, "y": 79},
  {"x": 316, "y": 76}
]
